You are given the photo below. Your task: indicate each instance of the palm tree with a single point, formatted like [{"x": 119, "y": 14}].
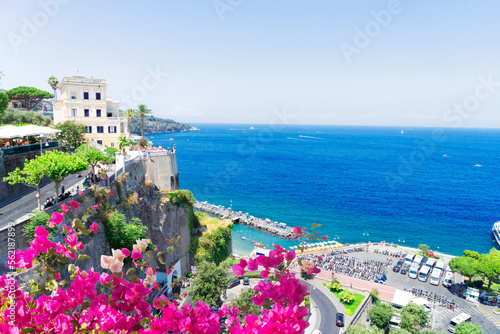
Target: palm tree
[
  {"x": 130, "y": 114},
  {"x": 53, "y": 82},
  {"x": 123, "y": 143},
  {"x": 142, "y": 110}
]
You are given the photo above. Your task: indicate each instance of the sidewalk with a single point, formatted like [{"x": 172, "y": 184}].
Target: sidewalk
[{"x": 314, "y": 319}]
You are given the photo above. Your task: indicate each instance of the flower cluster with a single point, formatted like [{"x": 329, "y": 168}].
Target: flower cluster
[{"x": 109, "y": 303}]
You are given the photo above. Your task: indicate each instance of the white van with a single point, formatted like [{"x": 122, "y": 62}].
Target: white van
[
  {"x": 395, "y": 322},
  {"x": 418, "y": 260},
  {"x": 464, "y": 317},
  {"x": 423, "y": 275},
  {"x": 448, "y": 278},
  {"x": 409, "y": 257},
  {"x": 430, "y": 263},
  {"x": 413, "y": 270},
  {"x": 435, "y": 276},
  {"x": 440, "y": 265}
]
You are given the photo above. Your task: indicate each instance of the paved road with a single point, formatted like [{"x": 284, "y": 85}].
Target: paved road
[
  {"x": 327, "y": 311},
  {"x": 28, "y": 203}
]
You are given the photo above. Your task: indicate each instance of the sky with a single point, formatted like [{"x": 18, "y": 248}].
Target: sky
[{"x": 379, "y": 63}]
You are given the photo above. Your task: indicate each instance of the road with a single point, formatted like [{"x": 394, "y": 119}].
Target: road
[
  {"x": 28, "y": 203},
  {"x": 327, "y": 311}
]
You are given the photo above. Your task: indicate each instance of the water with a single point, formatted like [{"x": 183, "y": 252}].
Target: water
[{"x": 360, "y": 183}]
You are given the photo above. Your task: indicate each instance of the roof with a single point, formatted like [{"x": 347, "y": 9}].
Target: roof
[
  {"x": 9, "y": 131},
  {"x": 401, "y": 298}
]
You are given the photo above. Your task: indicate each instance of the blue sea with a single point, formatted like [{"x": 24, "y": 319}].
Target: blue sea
[{"x": 410, "y": 186}]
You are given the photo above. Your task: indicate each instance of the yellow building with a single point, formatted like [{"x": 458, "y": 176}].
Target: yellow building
[{"x": 84, "y": 101}]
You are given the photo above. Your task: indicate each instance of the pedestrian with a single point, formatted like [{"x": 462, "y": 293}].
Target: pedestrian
[
  {"x": 77, "y": 189},
  {"x": 62, "y": 188}
]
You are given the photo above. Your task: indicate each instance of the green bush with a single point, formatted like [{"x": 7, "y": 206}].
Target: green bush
[
  {"x": 123, "y": 234},
  {"x": 181, "y": 198},
  {"x": 478, "y": 284},
  {"x": 349, "y": 312},
  {"x": 40, "y": 218},
  {"x": 213, "y": 247},
  {"x": 346, "y": 297}
]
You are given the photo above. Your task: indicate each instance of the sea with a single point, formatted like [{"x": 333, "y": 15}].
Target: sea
[{"x": 402, "y": 185}]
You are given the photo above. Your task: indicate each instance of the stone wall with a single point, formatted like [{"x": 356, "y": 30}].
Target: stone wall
[
  {"x": 136, "y": 195},
  {"x": 9, "y": 163}
]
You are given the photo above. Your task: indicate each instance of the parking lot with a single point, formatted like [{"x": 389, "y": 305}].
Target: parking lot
[{"x": 440, "y": 316}]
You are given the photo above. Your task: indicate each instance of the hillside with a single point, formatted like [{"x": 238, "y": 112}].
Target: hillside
[{"x": 157, "y": 125}]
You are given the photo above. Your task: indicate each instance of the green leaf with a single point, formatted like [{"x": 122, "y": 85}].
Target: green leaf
[
  {"x": 28, "y": 330},
  {"x": 170, "y": 249},
  {"x": 178, "y": 244},
  {"x": 83, "y": 257},
  {"x": 149, "y": 253},
  {"x": 33, "y": 285},
  {"x": 71, "y": 268},
  {"x": 117, "y": 275},
  {"x": 130, "y": 271},
  {"x": 61, "y": 258},
  {"x": 85, "y": 217},
  {"x": 51, "y": 284},
  {"x": 162, "y": 261},
  {"x": 50, "y": 252},
  {"x": 134, "y": 278}
]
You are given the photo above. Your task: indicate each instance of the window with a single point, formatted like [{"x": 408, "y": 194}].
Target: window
[
  {"x": 112, "y": 129},
  {"x": 109, "y": 114},
  {"x": 89, "y": 129},
  {"x": 73, "y": 95},
  {"x": 97, "y": 96},
  {"x": 85, "y": 95},
  {"x": 86, "y": 112},
  {"x": 98, "y": 113},
  {"x": 100, "y": 129},
  {"x": 99, "y": 142},
  {"x": 112, "y": 144},
  {"x": 73, "y": 112}
]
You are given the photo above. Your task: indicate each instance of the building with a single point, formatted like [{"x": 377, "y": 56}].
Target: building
[{"x": 84, "y": 100}]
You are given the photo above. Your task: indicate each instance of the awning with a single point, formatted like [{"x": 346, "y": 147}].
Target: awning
[{"x": 9, "y": 131}]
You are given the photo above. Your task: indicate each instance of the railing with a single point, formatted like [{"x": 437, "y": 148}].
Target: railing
[{"x": 28, "y": 148}]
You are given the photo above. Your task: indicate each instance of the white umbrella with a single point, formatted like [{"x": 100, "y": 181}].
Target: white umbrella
[{"x": 9, "y": 131}]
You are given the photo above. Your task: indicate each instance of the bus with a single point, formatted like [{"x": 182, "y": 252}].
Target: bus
[{"x": 458, "y": 320}]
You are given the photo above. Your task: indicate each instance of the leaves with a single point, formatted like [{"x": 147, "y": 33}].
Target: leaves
[{"x": 83, "y": 257}]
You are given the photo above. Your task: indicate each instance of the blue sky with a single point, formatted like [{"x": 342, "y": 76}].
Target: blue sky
[{"x": 238, "y": 61}]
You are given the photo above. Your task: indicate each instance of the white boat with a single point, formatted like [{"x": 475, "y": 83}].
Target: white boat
[
  {"x": 496, "y": 232},
  {"x": 402, "y": 132}
]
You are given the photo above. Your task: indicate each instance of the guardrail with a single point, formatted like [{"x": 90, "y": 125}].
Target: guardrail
[
  {"x": 28, "y": 148},
  {"x": 360, "y": 310}
]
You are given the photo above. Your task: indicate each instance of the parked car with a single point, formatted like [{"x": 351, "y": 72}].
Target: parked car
[
  {"x": 398, "y": 266},
  {"x": 267, "y": 280},
  {"x": 246, "y": 281},
  {"x": 234, "y": 282},
  {"x": 404, "y": 269},
  {"x": 340, "y": 320}
]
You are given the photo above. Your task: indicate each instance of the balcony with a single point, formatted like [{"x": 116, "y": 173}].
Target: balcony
[{"x": 28, "y": 148}]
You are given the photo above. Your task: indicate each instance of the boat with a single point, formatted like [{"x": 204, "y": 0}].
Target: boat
[
  {"x": 243, "y": 238},
  {"x": 496, "y": 232},
  {"x": 252, "y": 128},
  {"x": 258, "y": 244},
  {"x": 446, "y": 156},
  {"x": 478, "y": 165},
  {"x": 402, "y": 132}
]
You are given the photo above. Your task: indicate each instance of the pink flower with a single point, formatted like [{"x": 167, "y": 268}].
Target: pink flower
[
  {"x": 239, "y": 269},
  {"x": 97, "y": 206},
  {"x": 57, "y": 276},
  {"x": 156, "y": 285},
  {"x": 81, "y": 193},
  {"x": 65, "y": 208},
  {"x": 252, "y": 264},
  {"x": 156, "y": 248},
  {"x": 94, "y": 227},
  {"x": 74, "y": 204},
  {"x": 290, "y": 255},
  {"x": 125, "y": 252},
  {"x": 297, "y": 230},
  {"x": 111, "y": 193},
  {"x": 325, "y": 237},
  {"x": 136, "y": 254},
  {"x": 264, "y": 273},
  {"x": 141, "y": 245},
  {"x": 169, "y": 271},
  {"x": 57, "y": 219}
]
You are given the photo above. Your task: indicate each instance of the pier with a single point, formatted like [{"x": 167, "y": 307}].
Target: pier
[{"x": 279, "y": 229}]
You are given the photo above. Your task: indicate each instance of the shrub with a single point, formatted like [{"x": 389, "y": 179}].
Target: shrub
[
  {"x": 306, "y": 301},
  {"x": 335, "y": 285},
  {"x": 123, "y": 234},
  {"x": 40, "y": 218},
  {"x": 347, "y": 297},
  {"x": 181, "y": 197},
  {"x": 478, "y": 284},
  {"x": 349, "y": 312}
]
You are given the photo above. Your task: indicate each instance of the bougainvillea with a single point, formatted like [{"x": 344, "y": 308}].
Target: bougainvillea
[{"x": 109, "y": 303}]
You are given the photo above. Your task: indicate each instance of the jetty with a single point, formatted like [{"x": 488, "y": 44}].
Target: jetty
[{"x": 238, "y": 217}]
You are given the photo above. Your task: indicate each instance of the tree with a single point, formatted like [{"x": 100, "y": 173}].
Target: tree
[
  {"x": 466, "y": 266},
  {"x": 31, "y": 175},
  {"x": 425, "y": 249},
  {"x": 53, "y": 82},
  {"x": 4, "y": 103},
  {"x": 413, "y": 317},
  {"x": 59, "y": 164},
  {"x": 143, "y": 111},
  {"x": 488, "y": 265},
  {"x": 93, "y": 156},
  {"x": 468, "y": 328},
  {"x": 29, "y": 96},
  {"x": 399, "y": 331},
  {"x": 123, "y": 142},
  {"x": 123, "y": 234},
  {"x": 245, "y": 303},
  {"x": 210, "y": 283},
  {"x": 361, "y": 329},
  {"x": 380, "y": 314},
  {"x": 14, "y": 116},
  {"x": 72, "y": 133},
  {"x": 471, "y": 254},
  {"x": 130, "y": 114}
]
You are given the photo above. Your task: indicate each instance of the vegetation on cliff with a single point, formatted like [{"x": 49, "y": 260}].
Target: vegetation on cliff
[
  {"x": 13, "y": 116},
  {"x": 154, "y": 124},
  {"x": 122, "y": 233},
  {"x": 213, "y": 245}
]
